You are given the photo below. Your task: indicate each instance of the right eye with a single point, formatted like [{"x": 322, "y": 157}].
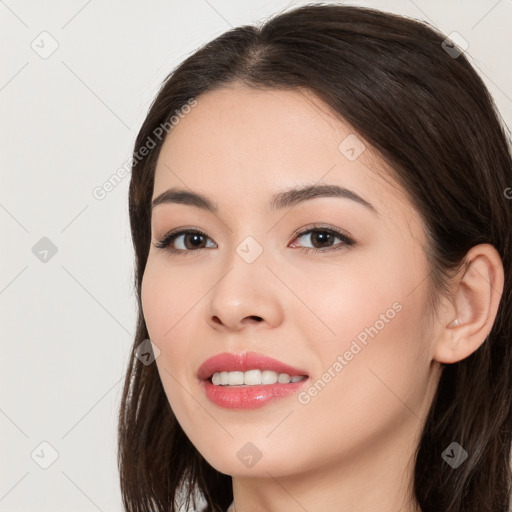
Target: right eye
[{"x": 192, "y": 240}]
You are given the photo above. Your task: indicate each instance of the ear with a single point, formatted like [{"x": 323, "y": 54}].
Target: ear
[{"x": 473, "y": 303}]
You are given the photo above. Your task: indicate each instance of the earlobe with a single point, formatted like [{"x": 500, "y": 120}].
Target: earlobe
[{"x": 474, "y": 305}]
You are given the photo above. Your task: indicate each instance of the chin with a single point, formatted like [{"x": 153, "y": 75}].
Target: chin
[{"x": 244, "y": 459}]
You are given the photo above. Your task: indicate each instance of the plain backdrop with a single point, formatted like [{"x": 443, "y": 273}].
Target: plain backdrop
[{"x": 76, "y": 79}]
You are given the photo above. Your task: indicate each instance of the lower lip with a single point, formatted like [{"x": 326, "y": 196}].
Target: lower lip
[{"x": 249, "y": 397}]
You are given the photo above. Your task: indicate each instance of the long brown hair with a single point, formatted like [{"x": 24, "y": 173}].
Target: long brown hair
[{"x": 429, "y": 116}]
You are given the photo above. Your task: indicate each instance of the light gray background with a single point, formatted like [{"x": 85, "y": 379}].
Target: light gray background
[{"x": 68, "y": 122}]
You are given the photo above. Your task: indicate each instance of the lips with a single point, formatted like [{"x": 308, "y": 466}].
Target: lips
[{"x": 243, "y": 362}]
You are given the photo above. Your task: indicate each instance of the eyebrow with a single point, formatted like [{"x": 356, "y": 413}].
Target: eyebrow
[{"x": 284, "y": 199}]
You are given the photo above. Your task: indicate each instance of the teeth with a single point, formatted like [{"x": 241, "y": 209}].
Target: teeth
[
  {"x": 253, "y": 377},
  {"x": 235, "y": 378}
]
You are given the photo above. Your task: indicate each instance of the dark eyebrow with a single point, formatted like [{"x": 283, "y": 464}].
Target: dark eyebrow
[{"x": 285, "y": 199}]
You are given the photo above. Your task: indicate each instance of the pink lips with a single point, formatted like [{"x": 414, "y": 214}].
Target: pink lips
[
  {"x": 227, "y": 362},
  {"x": 246, "y": 397}
]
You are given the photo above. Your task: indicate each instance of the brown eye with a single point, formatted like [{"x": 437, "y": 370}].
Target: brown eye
[
  {"x": 189, "y": 241},
  {"x": 186, "y": 241},
  {"x": 323, "y": 239}
]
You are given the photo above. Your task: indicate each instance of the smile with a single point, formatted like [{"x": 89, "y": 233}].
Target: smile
[
  {"x": 253, "y": 378},
  {"x": 248, "y": 380}
]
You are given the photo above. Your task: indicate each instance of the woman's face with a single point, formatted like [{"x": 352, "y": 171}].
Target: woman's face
[{"x": 348, "y": 316}]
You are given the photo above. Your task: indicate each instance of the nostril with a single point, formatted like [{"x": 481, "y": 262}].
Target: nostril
[
  {"x": 255, "y": 318},
  {"x": 216, "y": 319}
]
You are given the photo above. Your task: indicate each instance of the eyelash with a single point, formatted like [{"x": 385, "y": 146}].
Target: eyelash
[{"x": 171, "y": 237}]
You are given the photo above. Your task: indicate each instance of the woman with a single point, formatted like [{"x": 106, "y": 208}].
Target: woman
[{"x": 321, "y": 224}]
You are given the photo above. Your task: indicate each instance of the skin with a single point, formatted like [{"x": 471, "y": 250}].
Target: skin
[{"x": 351, "y": 446}]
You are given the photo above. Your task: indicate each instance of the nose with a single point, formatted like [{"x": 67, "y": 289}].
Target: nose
[{"x": 246, "y": 294}]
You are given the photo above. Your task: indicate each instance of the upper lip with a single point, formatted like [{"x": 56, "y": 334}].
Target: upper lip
[{"x": 228, "y": 362}]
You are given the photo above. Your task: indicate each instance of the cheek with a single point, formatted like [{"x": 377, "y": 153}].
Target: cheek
[
  {"x": 376, "y": 368},
  {"x": 167, "y": 298},
  {"x": 336, "y": 304},
  {"x": 366, "y": 330},
  {"x": 371, "y": 382},
  {"x": 173, "y": 305},
  {"x": 168, "y": 304}
]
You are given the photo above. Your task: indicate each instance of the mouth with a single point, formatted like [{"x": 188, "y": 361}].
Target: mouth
[
  {"x": 256, "y": 377},
  {"x": 249, "y": 369},
  {"x": 248, "y": 380}
]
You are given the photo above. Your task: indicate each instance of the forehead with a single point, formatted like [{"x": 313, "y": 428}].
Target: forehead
[{"x": 240, "y": 145}]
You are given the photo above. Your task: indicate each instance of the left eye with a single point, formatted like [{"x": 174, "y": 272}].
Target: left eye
[
  {"x": 322, "y": 236},
  {"x": 192, "y": 240}
]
